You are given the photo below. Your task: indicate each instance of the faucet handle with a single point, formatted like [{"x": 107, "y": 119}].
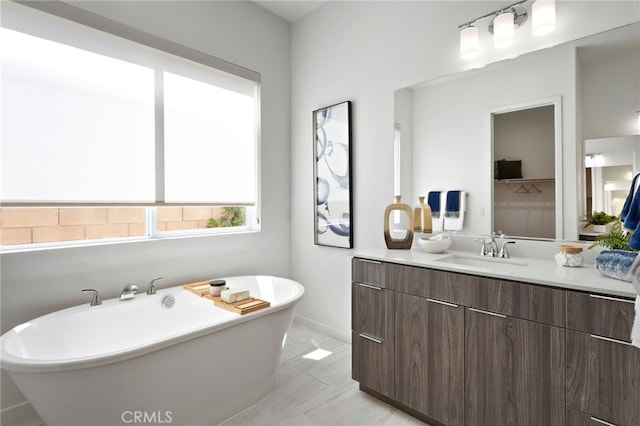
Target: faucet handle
[
  {"x": 483, "y": 248},
  {"x": 504, "y": 253},
  {"x": 152, "y": 288},
  {"x": 95, "y": 299}
]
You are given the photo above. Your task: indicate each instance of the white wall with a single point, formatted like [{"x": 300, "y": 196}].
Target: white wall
[
  {"x": 39, "y": 282},
  {"x": 364, "y": 52}
]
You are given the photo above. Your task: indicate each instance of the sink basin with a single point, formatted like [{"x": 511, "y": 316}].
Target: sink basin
[{"x": 479, "y": 261}]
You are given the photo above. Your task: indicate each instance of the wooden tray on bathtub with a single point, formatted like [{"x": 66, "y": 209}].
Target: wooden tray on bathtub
[
  {"x": 241, "y": 307},
  {"x": 200, "y": 288}
]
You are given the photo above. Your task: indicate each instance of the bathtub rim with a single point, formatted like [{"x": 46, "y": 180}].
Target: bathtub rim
[{"x": 12, "y": 363}]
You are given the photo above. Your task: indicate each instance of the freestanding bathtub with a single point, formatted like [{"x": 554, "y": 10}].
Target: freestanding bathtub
[{"x": 139, "y": 362}]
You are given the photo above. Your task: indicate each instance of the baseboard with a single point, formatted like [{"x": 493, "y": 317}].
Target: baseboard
[
  {"x": 314, "y": 325},
  {"x": 21, "y": 414}
]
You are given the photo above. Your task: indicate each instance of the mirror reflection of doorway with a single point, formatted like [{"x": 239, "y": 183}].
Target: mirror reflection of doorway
[{"x": 525, "y": 206}]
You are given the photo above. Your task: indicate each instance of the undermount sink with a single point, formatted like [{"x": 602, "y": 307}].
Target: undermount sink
[{"x": 479, "y": 261}]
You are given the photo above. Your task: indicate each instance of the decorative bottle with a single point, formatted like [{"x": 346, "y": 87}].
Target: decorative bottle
[
  {"x": 403, "y": 209},
  {"x": 422, "y": 220}
]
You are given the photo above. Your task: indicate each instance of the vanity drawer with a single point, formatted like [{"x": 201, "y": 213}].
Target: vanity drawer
[
  {"x": 367, "y": 271},
  {"x": 527, "y": 301},
  {"x": 606, "y": 316},
  {"x": 441, "y": 285}
]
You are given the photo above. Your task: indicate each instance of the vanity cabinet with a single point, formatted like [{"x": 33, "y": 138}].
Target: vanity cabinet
[
  {"x": 462, "y": 349},
  {"x": 603, "y": 369},
  {"x": 372, "y": 327}
]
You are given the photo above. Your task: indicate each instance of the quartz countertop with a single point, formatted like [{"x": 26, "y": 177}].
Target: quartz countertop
[{"x": 528, "y": 270}]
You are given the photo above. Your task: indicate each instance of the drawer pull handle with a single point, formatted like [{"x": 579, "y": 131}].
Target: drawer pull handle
[
  {"x": 487, "y": 312},
  {"x": 442, "y": 303},
  {"x": 375, "y": 262},
  {"x": 370, "y": 286},
  {"x": 373, "y": 339},
  {"x": 615, "y": 299},
  {"x": 601, "y": 421},
  {"x": 611, "y": 340}
]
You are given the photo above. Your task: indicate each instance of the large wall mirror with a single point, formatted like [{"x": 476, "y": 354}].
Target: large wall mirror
[
  {"x": 455, "y": 128},
  {"x": 609, "y": 167}
]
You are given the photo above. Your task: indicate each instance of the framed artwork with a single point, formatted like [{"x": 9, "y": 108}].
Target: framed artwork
[{"x": 332, "y": 175}]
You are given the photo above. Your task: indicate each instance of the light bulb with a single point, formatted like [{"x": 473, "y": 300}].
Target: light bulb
[
  {"x": 503, "y": 30},
  {"x": 469, "y": 42},
  {"x": 543, "y": 17}
]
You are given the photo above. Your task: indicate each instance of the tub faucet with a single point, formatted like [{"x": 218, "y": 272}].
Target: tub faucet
[
  {"x": 95, "y": 299},
  {"x": 152, "y": 288},
  {"x": 128, "y": 292}
]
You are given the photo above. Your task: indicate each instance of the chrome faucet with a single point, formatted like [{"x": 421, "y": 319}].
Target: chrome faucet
[
  {"x": 95, "y": 299},
  {"x": 128, "y": 292},
  {"x": 503, "y": 250},
  {"x": 489, "y": 247},
  {"x": 152, "y": 288}
]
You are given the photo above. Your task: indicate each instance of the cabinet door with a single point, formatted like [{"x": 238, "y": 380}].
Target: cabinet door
[
  {"x": 372, "y": 337},
  {"x": 603, "y": 378},
  {"x": 429, "y": 355},
  {"x": 514, "y": 371}
]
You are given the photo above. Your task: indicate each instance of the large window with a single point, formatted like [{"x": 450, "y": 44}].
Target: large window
[{"x": 104, "y": 137}]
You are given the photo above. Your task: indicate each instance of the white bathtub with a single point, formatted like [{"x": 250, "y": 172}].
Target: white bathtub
[{"x": 135, "y": 362}]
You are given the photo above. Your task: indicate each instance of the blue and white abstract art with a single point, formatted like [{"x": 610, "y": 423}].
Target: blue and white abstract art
[{"x": 332, "y": 175}]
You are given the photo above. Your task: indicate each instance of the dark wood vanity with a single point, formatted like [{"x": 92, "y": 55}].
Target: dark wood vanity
[{"x": 459, "y": 349}]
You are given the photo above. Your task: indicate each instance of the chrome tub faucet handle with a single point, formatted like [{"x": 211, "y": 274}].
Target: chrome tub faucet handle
[
  {"x": 152, "y": 288},
  {"x": 95, "y": 299}
]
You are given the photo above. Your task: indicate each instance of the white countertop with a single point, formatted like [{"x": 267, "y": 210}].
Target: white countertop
[{"x": 545, "y": 272}]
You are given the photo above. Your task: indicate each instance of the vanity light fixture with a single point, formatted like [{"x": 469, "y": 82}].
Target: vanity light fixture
[
  {"x": 503, "y": 24},
  {"x": 543, "y": 17},
  {"x": 503, "y": 29},
  {"x": 469, "y": 42}
]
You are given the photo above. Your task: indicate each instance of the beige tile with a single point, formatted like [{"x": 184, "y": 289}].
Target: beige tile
[
  {"x": 112, "y": 230},
  {"x": 125, "y": 215},
  {"x": 169, "y": 214},
  {"x": 10, "y": 236},
  {"x": 197, "y": 213},
  {"x": 49, "y": 234},
  {"x": 83, "y": 216},
  {"x": 29, "y": 217},
  {"x": 137, "y": 229}
]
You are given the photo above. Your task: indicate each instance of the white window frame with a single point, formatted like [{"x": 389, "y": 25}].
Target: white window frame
[{"x": 117, "y": 29}]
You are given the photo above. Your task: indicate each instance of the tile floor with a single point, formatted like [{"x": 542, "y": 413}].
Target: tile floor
[{"x": 314, "y": 393}]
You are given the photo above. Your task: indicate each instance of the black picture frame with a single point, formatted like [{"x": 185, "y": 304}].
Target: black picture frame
[{"x": 332, "y": 175}]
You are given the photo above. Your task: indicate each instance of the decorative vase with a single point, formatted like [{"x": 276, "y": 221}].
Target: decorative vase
[
  {"x": 600, "y": 229},
  {"x": 389, "y": 239},
  {"x": 422, "y": 219}
]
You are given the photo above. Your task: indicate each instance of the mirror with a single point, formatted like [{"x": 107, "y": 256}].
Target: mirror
[
  {"x": 610, "y": 165},
  {"x": 447, "y": 130}
]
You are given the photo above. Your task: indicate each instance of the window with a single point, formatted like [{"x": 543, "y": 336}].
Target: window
[{"x": 104, "y": 137}]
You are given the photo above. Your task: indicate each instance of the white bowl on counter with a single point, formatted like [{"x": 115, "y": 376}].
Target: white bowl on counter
[{"x": 434, "y": 244}]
